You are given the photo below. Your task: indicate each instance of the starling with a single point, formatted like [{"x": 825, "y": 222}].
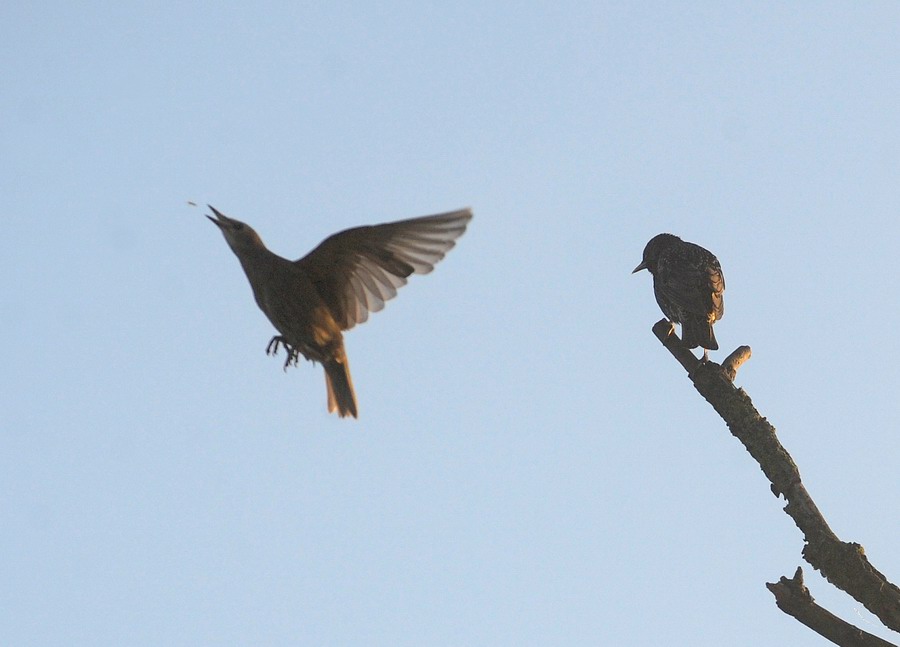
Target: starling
[
  {"x": 310, "y": 301},
  {"x": 688, "y": 284}
]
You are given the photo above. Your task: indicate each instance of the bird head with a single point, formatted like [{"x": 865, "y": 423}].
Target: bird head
[
  {"x": 239, "y": 236},
  {"x": 652, "y": 251}
]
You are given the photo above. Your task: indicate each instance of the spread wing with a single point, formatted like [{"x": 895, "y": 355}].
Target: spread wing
[
  {"x": 355, "y": 271},
  {"x": 693, "y": 281}
]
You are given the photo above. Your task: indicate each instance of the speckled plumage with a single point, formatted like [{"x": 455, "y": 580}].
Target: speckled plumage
[{"x": 688, "y": 284}]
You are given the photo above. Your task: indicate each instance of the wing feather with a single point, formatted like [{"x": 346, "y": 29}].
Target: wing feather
[
  {"x": 695, "y": 286},
  {"x": 357, "y": 270}
]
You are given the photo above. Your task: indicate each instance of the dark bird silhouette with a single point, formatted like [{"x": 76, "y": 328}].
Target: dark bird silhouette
[
  {"x": 350, "y": 274},
  {"x": 688, "y": 284}
]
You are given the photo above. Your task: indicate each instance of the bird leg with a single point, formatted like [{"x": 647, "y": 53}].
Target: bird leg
[{"x": 671, "y": 327}]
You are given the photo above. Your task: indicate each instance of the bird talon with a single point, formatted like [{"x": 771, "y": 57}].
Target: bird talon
[
  {"x": 277, "y": 342},
  {"x": 272, "y": 348},
  {"x": 671, "y": 328},
  {"x": 292, "y": 357}
]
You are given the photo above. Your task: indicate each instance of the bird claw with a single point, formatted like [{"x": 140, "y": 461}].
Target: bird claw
[
  {"x": 272, "y": 348},
  {"x": 292, "y": 355},
  {"x": 671, "y": 327}
]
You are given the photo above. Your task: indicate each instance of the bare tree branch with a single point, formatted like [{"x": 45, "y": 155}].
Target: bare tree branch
[
  {"x": 794, "y": 599},
  {"x": 843, "y": 564}
]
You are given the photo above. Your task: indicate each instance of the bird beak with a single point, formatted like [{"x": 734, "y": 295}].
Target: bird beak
[
  {"x": 222, "y": 218},
  {"x": 642, "y": 266}
]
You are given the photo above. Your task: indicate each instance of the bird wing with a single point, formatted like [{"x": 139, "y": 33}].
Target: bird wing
[
  {"x": 696, "y": 287},
  {"x": 355, "y": 271},
  {"x": 717, "y": 285}
]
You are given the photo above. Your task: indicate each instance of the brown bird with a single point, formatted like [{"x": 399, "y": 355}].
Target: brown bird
[
  {"x": 310, "y": 301},
  {"x": 688, "y": 284}
]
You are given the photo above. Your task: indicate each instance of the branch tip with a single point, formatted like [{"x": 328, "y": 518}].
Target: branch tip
[{"x": 733, "y": 362}]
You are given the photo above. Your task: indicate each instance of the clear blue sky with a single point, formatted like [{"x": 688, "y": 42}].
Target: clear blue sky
[{"x": 530, "y": 466}]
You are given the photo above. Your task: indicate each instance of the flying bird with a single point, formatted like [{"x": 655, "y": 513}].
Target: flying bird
[
  {"x": 310, "y": 301},
  {"x": 688, "y": 284}
]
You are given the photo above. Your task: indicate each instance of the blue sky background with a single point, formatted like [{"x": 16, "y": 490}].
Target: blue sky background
[{"x": 530, "y": 466}]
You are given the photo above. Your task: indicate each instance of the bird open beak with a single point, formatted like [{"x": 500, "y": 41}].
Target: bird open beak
[
  {"x": 642, "y": 266},
  {"x": 222, "y": 218}
]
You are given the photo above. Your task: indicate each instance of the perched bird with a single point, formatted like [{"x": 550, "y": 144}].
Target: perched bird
[
  {"x": 310, "y": 301},
  {"x": 688, "y": 284}
]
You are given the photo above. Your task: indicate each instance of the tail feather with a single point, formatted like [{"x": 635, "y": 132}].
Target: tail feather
[
  {"x": 341, "y": 397},
  {"x": 699, "y": 333}
]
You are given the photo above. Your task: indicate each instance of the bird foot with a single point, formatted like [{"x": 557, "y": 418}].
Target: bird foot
[
  {"x": 277, "y": 340},
  {"x": 665, "y": 323},
  {"x": 292, "y": 355}
]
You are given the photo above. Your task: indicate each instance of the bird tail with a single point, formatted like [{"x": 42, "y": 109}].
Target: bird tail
[
  {"x": 341, "y": 397},
  {"x": 699, "y": 333}
]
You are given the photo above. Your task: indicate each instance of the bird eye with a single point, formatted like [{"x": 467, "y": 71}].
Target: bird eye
[{"x": 238, "y": 226}]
